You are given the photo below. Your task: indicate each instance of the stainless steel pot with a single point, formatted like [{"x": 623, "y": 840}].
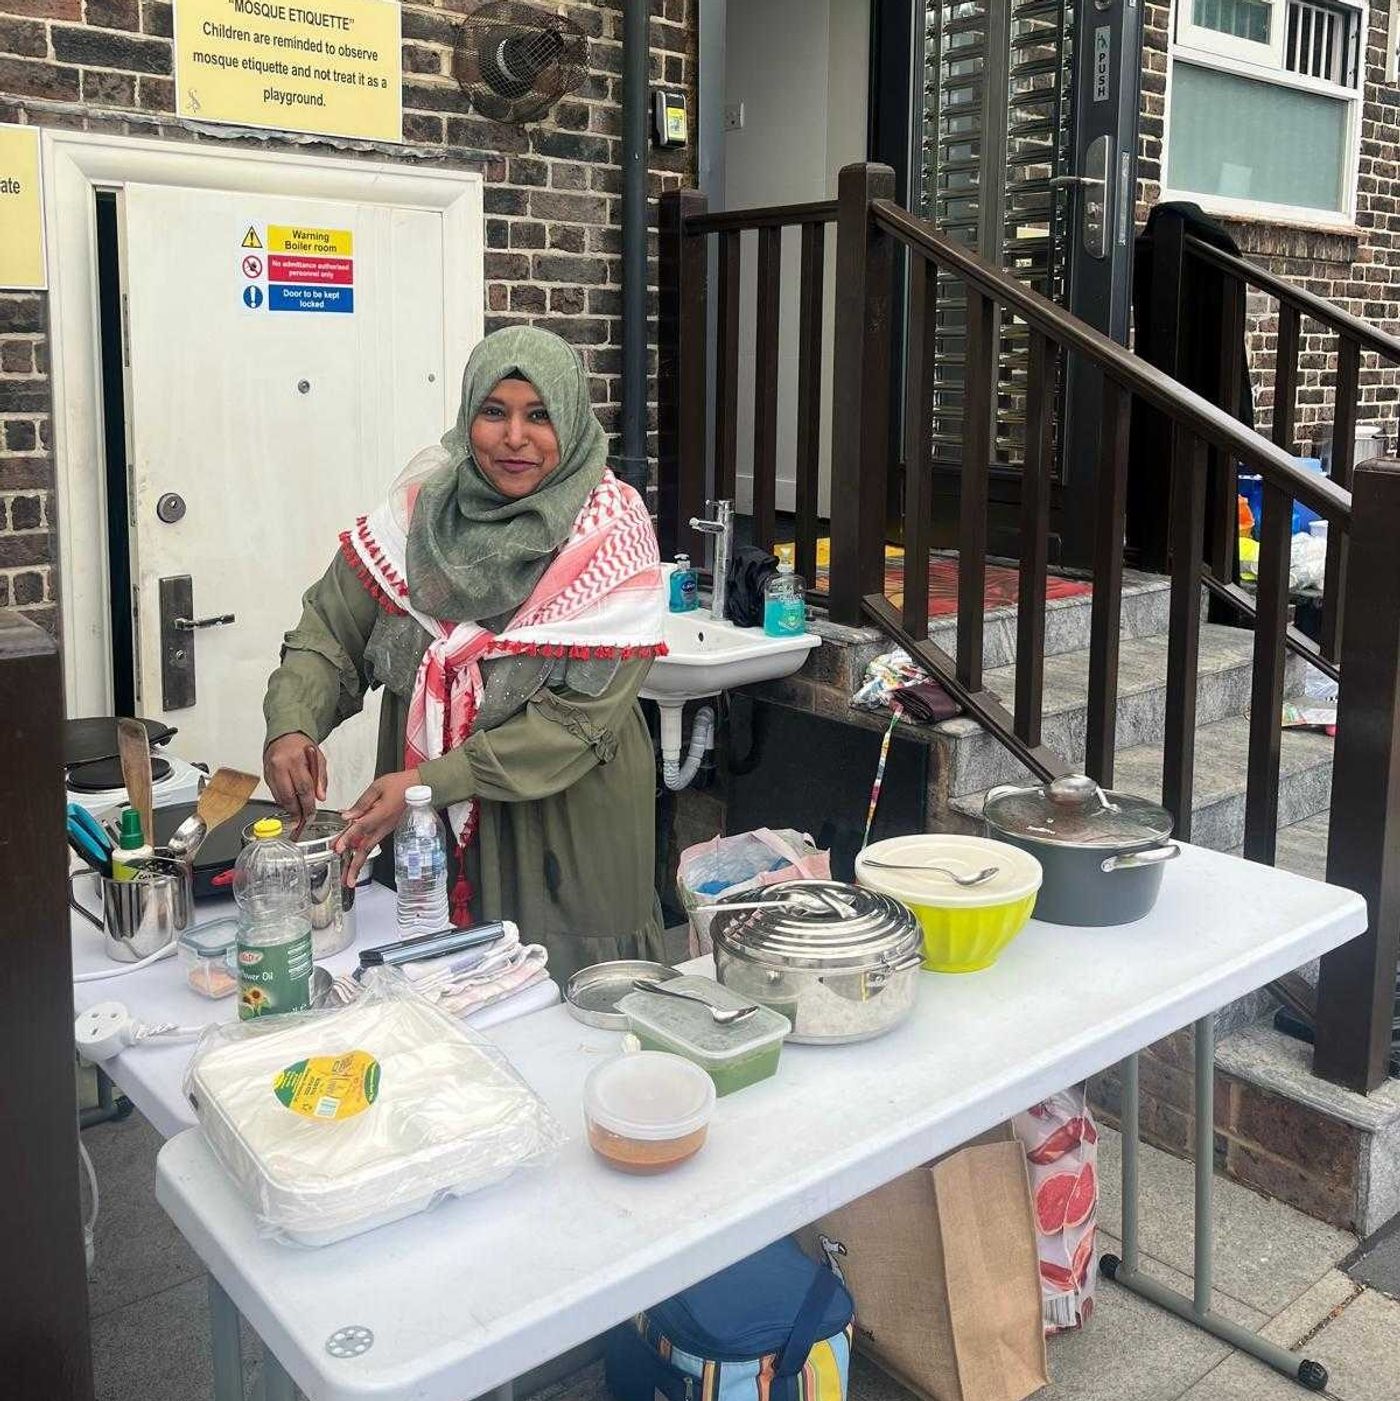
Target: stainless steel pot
[
  {"x": 332, "y": 901},
  {"x": 140, "y": 916},
  {"x": 840, "y": 962},
  {"x": 1102, "y": 852}
]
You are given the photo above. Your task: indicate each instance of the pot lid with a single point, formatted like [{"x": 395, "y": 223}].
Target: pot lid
[
  {"x": 893, "y": 866},
  {"x": 1075, "y": 811},
  {"x": 821, "y": 924}
]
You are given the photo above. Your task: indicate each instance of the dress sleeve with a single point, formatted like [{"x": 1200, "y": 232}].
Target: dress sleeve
[
  {"x": 543, "y": 749},
  {"x": 321, "y": 680}
]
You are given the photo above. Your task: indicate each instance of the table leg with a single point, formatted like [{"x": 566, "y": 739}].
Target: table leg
[
  {"x": 225, "y": 1345},
  {"x": 1125, "y": 1271},
  {"x": 276, "y": 1384}
]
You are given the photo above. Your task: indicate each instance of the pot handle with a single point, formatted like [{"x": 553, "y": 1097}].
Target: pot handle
[
  {"x": 77, "y": 905},
  {"x": 1131, "y": 860}
]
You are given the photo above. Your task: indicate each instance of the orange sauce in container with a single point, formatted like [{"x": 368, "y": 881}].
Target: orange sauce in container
[{"x": 647, "y": 1111}]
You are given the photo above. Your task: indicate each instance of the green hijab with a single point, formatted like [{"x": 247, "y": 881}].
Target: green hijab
[{"x": 473, "y": 553}]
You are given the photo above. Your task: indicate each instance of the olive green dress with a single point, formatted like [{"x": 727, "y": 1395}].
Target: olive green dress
[{"x": 565, "y": 785}]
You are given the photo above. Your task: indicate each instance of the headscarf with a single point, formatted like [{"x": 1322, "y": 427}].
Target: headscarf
[{"x": 473, "y": 553}]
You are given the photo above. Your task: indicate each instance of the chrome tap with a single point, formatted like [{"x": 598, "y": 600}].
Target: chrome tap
[{"x": 722, "y": 528}]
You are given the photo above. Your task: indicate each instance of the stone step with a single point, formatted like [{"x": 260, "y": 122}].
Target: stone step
[
  {"x": 1145, "y": 613},
  {"x": 1302, "y": 846},
  {"x": 978, "y": 761},
  {"x": 1222, "y": 763}
]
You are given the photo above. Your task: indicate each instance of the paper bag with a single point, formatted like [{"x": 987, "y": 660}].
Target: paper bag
[{"x": 942, "y": 1264}]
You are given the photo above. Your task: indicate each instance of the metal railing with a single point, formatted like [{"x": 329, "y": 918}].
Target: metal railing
[{"x": 1357, "y": 983}]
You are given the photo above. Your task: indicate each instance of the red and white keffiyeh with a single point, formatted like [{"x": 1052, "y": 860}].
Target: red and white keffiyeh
[{"x": 601, "y": 597}]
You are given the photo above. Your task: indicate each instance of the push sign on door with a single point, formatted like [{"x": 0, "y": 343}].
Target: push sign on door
[{"x": 1103, "y": 52}]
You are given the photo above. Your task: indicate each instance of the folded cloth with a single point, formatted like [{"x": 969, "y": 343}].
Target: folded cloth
[
  {"x": 925, "y": 701},
  {"x": 749, "y": 571},
  {"x": 534, "y": 998},
  {"x": 475, "y": 978}
]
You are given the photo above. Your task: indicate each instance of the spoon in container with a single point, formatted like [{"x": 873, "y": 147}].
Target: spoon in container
[
  {"x": 976, "y": 878},
  {"x": 723, "y": 1016}
]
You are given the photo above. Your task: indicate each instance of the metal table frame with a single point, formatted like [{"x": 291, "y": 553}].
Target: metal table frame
[
  {"x": 1125, "y": 1270},
  {"x": 277, "y": 1385}
]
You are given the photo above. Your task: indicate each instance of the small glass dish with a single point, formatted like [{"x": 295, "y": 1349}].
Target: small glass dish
[{"x": 207, "y": 955}]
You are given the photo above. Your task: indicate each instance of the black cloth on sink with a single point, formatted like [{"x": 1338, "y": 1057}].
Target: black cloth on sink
[{"x": 749, "y": 570}]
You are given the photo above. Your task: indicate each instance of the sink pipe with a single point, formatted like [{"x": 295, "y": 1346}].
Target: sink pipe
[
  {"x": 631, "y": 460},
  {"x": 674, "y": 774}
]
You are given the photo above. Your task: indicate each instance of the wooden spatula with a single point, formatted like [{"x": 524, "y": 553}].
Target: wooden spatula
[
  {"x": 224, "y": 796},
  {"x": 134, "y": 749}
]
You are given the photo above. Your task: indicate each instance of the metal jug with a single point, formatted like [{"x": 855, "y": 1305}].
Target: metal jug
[{"x": 143, "y": 915}]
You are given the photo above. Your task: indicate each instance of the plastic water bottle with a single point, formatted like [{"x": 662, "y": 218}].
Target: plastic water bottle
[
  {"x": 273, "y": 891},
  {"x": 420, "y": 865}
]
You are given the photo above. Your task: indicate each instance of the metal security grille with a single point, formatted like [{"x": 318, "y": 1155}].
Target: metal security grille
[
  {"x": 1322, "y": 42},
  {"x": 995, "y": 134}
]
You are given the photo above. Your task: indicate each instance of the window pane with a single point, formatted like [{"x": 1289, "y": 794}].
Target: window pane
[
  {"x": 1255, "y": 140},
  {"x": 1245, "y": 19}
]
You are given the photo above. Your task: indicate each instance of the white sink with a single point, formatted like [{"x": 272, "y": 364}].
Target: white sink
[{"x": 706, "y": 657}]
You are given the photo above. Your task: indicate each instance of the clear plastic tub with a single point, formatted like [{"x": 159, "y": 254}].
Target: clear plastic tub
[
  {"x": 207, "y": 956},
  {"x": 647, "y": 1111},
  {"x": 733, "y": 1056}
]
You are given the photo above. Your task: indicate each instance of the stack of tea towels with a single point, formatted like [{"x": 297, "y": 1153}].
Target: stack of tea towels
[{"x": 483, "y": 985}]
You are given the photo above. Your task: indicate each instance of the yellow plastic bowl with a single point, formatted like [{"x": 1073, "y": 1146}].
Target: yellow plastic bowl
[{"x": 965, "y": 928}]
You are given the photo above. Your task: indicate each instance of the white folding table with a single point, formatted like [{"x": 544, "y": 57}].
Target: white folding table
[{"x": 458, "y": 1301}]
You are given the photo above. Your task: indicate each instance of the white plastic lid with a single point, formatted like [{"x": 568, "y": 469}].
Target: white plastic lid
[
  {"x": 1018, "y": 872},
  {"x": 418, "y": 793},
  {"x": 650, "y": 1095},
  {"x": 689, "y": 1024},
  {"x": 785, "y": 568}
]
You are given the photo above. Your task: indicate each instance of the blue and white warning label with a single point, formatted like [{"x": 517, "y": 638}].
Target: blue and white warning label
[{"x": 294, "y": 297}]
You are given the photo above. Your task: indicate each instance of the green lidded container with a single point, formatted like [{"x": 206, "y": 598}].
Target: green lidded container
[{"x": 733, "y": 1056}]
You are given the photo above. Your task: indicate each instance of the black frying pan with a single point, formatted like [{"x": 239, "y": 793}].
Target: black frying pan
[{"x": 221, "y": 847}]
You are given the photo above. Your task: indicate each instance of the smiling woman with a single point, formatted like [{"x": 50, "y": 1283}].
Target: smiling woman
[{"x": 508, "y": 598}]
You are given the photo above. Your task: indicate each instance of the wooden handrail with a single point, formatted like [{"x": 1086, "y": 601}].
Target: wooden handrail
[
  {"x": 1184, "y": 406},
  {"x": 1329, "y": 314},
  {"x": 822, "y": 211}
]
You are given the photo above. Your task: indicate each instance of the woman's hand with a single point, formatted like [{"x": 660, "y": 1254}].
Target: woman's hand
[
  {"x": 372, "y": 816},
  {"x": 295, "y": 770}
]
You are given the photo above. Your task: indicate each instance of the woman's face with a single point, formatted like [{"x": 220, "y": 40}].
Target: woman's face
[{"x": 513, "y": 440}]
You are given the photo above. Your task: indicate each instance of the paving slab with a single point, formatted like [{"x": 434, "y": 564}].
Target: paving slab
[
  {"x": 139, "y": 1251},
  {"x": 1266, "y": 1254}
]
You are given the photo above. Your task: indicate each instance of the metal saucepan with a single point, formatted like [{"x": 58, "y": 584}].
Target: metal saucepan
[
  {"x": 839, "y": 961},
  {"x": 1102, "y": 852},
  {"x": 332, "y": 901}
]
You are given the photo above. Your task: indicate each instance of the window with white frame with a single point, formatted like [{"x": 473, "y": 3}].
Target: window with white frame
[{"x": 1264, "y": 105}]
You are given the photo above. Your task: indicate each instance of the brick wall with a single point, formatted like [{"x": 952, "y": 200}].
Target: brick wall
[
  {"x": 1358, "y": 269},
  {"x": 553, "y": 198}
]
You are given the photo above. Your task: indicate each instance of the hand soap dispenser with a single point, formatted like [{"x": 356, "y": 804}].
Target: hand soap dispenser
[
  {"x": 784, "y": 607},
  {"x": 685, "y": 588}
]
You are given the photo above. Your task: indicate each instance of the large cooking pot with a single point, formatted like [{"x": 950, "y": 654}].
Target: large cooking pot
[
  {"x": 332, "y": 901},
  {"x": 840, "y": 962},
  {"x": 1102, "y": 852}
]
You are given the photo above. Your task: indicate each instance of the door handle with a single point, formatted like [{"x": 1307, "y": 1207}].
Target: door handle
[
  {"x": 190, "y": 624},
  {"x": 1060, "y": 182}
]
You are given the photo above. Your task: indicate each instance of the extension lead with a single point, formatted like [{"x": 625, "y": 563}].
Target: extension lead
[{"x": 107, "y": 1028}]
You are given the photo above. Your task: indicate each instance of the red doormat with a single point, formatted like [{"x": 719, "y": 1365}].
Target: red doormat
[{"x": 1002, "y": 590}]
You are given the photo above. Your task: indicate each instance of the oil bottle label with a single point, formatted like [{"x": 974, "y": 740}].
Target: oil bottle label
[
  {"x": 274, "y": 978},
  {"x": 329, "y": 1087}
]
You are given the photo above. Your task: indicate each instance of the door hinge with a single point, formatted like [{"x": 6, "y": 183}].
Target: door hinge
[{"x": 126, "y": 331}]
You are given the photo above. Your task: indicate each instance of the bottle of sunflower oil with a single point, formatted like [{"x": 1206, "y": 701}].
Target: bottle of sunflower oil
[{"x": 272, "y": 888}]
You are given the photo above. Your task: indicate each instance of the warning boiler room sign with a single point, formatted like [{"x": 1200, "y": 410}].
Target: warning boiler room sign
[{"x": 329, "y": 67}]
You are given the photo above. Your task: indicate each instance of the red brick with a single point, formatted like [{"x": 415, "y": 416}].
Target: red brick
[
  {"x": 24, "y": 78},
  {"x": 44, "y": 9},
  {"x": 1327, "y": 1200},
  {"x": 16, "y": 357},
  {"x": 23, "y": 37},
  {"x": 113, "y": 14}
]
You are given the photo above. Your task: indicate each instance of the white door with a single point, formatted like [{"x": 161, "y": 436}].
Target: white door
[{"x": 285, "y": 358}]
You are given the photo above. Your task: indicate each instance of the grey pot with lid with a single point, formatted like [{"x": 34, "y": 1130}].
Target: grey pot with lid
[
  {"x": 1102, "y": 852},
  {"x": 839, "y": 961}
]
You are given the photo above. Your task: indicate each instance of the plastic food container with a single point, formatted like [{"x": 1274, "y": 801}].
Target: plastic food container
[
  {"x": 965, "y": 927},
  {"x": 732, "y": 1056},
  {"x": 207, "y": 956},
  {"x": 647, "y": 1111}
]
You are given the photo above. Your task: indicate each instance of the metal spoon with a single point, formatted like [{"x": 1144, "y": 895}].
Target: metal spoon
[
  {"x": 722, "y": 1016},
  {"x": 985, "y": 874}
]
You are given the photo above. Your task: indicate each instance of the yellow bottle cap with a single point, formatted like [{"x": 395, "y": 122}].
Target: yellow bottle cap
[{"x": 266, "y": 827}]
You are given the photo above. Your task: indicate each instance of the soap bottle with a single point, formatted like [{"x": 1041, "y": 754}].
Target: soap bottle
[
  {"x": 132, "y": 849},
  {"x": 784, "y": 607},
  {"x": 685, "y": 587}
]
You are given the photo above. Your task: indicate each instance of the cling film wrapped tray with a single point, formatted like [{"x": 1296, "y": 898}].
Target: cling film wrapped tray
[
  {"x": 334, "y": 1122},
  {"x": 1061, "y": 1140}
]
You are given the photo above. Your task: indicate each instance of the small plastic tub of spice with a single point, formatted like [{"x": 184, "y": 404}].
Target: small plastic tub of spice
[
  {"x": 648, "y": 1111},
  {"x": 207, "y": 957}
]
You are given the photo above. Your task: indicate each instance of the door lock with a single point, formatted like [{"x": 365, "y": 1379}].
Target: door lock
[
  {"x": 178, "y": 627},
  {"x": 170, "y": 508}
]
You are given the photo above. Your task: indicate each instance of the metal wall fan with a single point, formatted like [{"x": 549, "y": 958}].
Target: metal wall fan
[{"x": 515, "y": 61}]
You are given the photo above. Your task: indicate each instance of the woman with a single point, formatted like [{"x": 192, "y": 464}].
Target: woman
[{"x": 508, "y": 598}]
